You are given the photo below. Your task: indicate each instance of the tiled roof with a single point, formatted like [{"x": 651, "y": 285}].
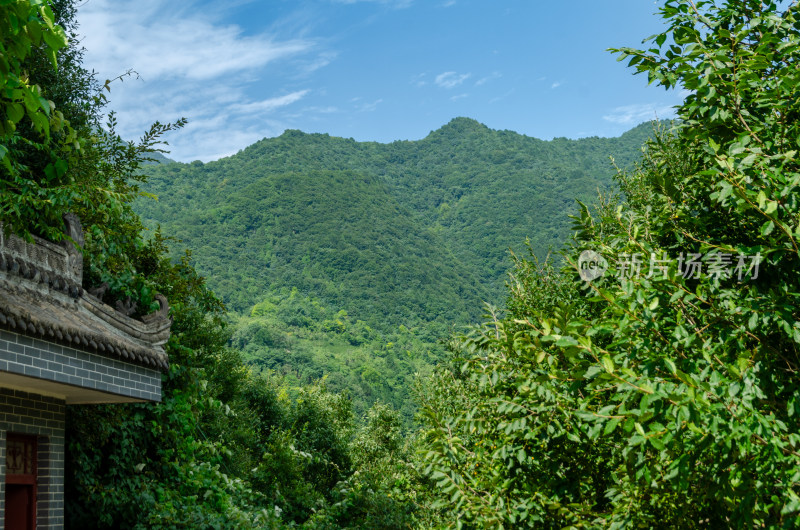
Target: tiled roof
[{"x": 41, "y": 296}]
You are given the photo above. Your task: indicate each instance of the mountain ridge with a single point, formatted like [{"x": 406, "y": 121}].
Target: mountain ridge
[
  {"x": 474, "y": 191},
  {"x": 351, "y": 260}
]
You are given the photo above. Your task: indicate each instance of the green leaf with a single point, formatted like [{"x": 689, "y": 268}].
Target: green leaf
[
  {"x": 656, "y": 442},
  {"x": 747, "y": 161},
  {"x": 671, "y": 366},
  {"x": 611, "y": 425},
  {"x": 34, "y": 31},
  {"x": 15, "y": 112},
  {"x": 566, "y": 341},
  {"x": 608, "y": 364},
  {"x": 753, "y": 321},
  {"x": 47, "y": 16},
  {"x": 772, "y": 206},
  {"x": 51, "y": 54},
  {"x": 44, "y": 104},
  {"x": 762, "y": 199},
  {"x": 54, "y": 39}
]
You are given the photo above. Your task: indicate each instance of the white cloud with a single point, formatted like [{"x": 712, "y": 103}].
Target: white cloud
[
  {"x": 556, "y": 85},
  {"x": 330, "y": 109},
  {"x": 313, "y": 113},
  {"x": 321, "y": 61},
  {"x": 159, "y": 41},
  {"x": 460, "y": 96},
  {"x": 192, "y": 66},
  {"x": 368, "y": 107},
  {"x": 267, "y": 105},
  {"x": 635, "y": 114},
  {"x": 450, "y": 80},
  {"x": 419, "y": 80},
  {"x": 491, "y": 77}
]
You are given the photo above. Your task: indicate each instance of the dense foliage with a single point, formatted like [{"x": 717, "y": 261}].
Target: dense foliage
[
  {"x": 407, "y": 231},
  {"x": 29, "y": 120},
  {"x": 305, "y": 341},
  {"x": 666, "y": 397},
  {"x": 406, "y": 240},
  {"x": 647, "y": 379}
]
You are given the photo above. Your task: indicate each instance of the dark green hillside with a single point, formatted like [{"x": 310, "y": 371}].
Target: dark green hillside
[
  {"x": 358, "y": 256},
  {"x": 393, "y": 233},
  {"x": 487, "y": 191},
  {"x": 339, "y": 235}
]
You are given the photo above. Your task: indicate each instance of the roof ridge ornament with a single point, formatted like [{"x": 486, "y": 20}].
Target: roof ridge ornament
[
  {"x": 161, "y": 314},
  {"x": 126, "y": 307}
]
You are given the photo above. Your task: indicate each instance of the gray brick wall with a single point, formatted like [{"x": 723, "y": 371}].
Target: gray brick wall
[
  {"x": 42, "y": 416},
  {"x": 37, "y": 358}
]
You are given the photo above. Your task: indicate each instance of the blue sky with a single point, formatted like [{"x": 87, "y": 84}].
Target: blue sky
[{"x": 382, "y": 70}]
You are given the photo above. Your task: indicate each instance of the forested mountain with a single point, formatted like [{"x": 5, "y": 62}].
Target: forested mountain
[
  {"x": 350, "y": 260},
  {"x": 393, "y": 233}
]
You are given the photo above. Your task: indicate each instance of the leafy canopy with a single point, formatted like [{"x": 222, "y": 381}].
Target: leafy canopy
[
  {"x": 661, "y": 399},
  {"x": 24, "y": 25}
]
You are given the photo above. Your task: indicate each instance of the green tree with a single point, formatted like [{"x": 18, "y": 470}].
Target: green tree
[
  {"x": 25, "y": 26},
  {"x": 663, "y": 399},
  {"x": 29, "y": 121}
]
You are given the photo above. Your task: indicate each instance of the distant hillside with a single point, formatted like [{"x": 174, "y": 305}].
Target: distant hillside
[
  {"x": 349, "y": 260},
  {"x": 413, "y": 231},
  {"x": 159, "y": 158}
]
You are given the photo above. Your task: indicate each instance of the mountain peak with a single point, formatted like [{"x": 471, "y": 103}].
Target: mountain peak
[
  {"x": 461, "y": 126},
  {"x": 463, "y": 121}
]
